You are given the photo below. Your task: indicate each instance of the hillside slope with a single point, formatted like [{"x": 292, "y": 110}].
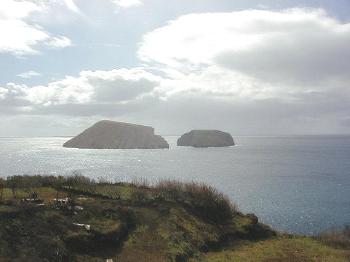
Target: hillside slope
[{"x": 171, "y": 221}]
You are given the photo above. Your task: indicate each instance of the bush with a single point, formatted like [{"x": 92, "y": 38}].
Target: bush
[
  {"x": 140, "y": 182},
  {"x": 202, "y": 199},
  {"x": 78, "y": 181},
  {"x": 336, "y": 238},
  {"x": 170, "y": 189},
  {"x": 138, "y": 196},
  {"x": 2, "y": 186}
]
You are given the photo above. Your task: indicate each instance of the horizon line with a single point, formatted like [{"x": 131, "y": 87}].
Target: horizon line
[{"x": 238, "y": 135}]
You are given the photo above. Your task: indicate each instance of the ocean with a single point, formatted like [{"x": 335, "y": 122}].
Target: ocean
[{"x": 296, "y": 184}]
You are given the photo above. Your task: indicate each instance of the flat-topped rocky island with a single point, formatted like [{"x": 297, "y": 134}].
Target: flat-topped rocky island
[
  {"x": 206, "y": 138},
  {"x": 117, "y": 135}
]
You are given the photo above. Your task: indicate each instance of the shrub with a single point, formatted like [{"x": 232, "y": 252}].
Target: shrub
[
  {"x": 140, "y": 182},
  {"x": 79, "y": 182},
  {"x": 169, "y": 189},
  {"x": 14, "y": 182},
  {"x": 138, "y": 196},
  {"x": 336, "y": 238},
  {"x": 202, "y": 199},
  {"x": 2, "y": 186}
]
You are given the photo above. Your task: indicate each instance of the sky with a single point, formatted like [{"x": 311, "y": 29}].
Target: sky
[{"x": 249, "y": 67}]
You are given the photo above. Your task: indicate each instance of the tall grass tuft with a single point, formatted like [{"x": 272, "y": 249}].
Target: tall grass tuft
[
  {"x": 204, "y": 200},
  {"x": 336, "y": 238},
  {"x": 140, "y": 182}
]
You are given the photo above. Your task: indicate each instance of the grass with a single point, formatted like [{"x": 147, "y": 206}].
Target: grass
[
  {"x": 336, "y": 238},
  {"x": 283, "y": 249},
  {"x": 47, "y": 194},
  {"x": 169, "y": 221},
  {"x": 204, "y": 200}
]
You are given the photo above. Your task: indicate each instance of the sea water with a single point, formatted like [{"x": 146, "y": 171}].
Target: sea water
[{"x": 297, "y": 184}]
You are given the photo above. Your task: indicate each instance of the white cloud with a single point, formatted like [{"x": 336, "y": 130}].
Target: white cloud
[
  {"x": 29, "y": 74},
  {"x": 256, "y": 54},
  {"x": 59, "y": 42},
  {"x": 92, "y": 92},
  {"x": 20, "y": 37},
  {"x": 60, "y": 12},
  {"x": 12, "y": 99},
  {"x": 72, "y": 6},
  {"x": 3, "y": 93},
  {"x": 254, "y": 71},
  {"x": 127, "y": 3},
  {"x": 10, "y": 9}
]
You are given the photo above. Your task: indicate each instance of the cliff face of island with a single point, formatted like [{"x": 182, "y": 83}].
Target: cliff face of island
[
  {"x": 206, "y": 138},
  {"x": 117, "y": 135}
]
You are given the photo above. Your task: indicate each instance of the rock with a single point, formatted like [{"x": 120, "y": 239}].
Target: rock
[
  {"x": 117, "y": 135},
  {"x": 86, "y": 226},
  {"x": 254, "y": 219},
  {"x": 206, "y": 138}
]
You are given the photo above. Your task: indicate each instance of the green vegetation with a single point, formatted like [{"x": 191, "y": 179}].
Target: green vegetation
[
  {"x": 282, "y": 249},
  {"x": 170, "y": 221}
]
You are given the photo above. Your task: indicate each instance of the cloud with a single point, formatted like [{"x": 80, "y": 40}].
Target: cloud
[
  {"x": 253, "y": 71},
  {"x": 248, "y": 72},
  {"x": 72, "y": 6},
  {"x": 29, "y": 74},
  {"x": 60, "y": 13},
  {"x": 12, "y": 99},
  {"x": 10, "y": 9},
  {"x": 253, "y": 53},
  {"x": 59, "y": 42},
  {"x": 127, "y": 3},
  {"x": 21, "y": 37},
  {"x": 111, "y": 92}
]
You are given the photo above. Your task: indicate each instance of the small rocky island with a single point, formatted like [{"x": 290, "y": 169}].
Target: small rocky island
[
  {"x": 206, "y": 138},
  {"x": 117, "y": 135}
]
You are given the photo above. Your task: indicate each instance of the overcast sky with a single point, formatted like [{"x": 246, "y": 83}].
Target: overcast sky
[{"x": 249, "y": 67}]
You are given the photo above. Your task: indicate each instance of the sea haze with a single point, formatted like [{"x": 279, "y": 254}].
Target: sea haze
[{"x": 298, "y": 184}]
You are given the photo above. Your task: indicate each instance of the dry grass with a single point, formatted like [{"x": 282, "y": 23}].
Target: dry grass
[
  {"x": 336, "y": 238},
  {"x": 282, "y": 249},
  {"x": 140, "y": 182},
  {"x": 203, "y": 199}
]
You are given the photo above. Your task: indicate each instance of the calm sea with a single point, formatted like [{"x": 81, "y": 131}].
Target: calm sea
[{"x": 297, "y": 184}]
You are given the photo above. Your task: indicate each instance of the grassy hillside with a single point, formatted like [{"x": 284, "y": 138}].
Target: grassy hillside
[
  {"x": 171, "y": 221},
  {"x": 281, "y": 248}
]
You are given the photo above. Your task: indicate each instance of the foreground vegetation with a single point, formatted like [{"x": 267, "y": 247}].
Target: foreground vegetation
[{"x": 77, "y": 219}]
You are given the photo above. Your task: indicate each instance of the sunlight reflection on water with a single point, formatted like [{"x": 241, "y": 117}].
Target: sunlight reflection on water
[{"x": 296, "y": 184}]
